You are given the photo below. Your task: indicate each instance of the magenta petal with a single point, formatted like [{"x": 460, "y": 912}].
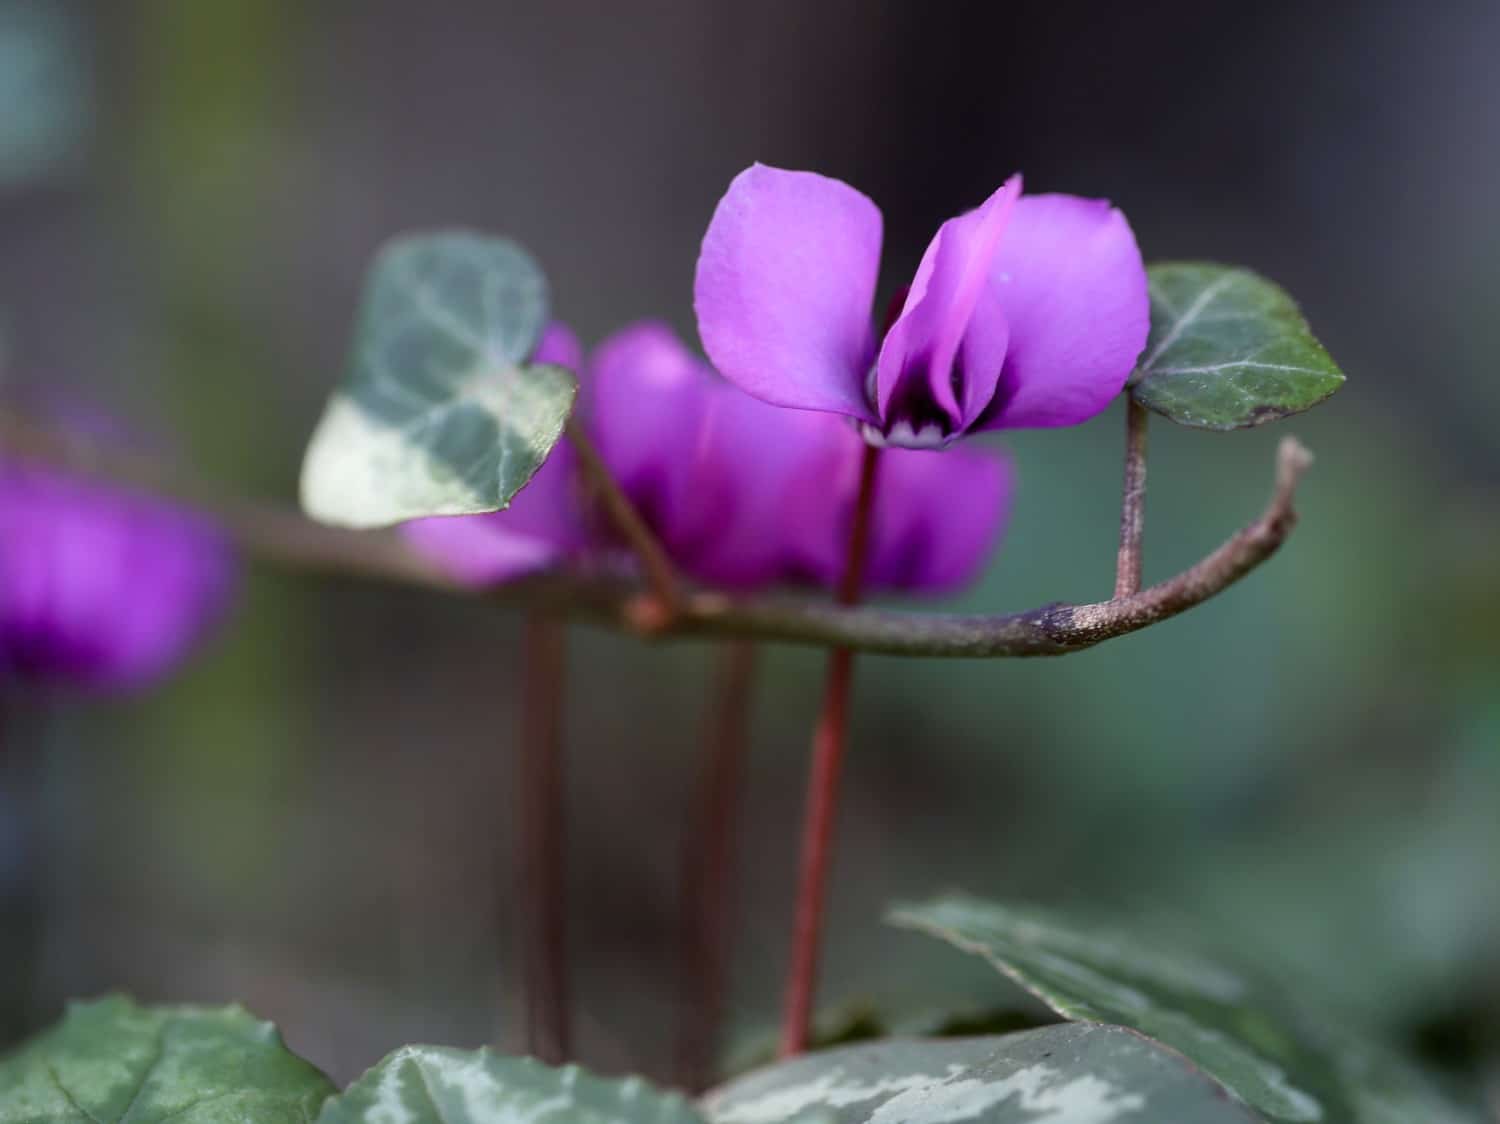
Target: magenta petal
[
  {"x": 101, "y": 587},
  {"x": 949, "y": 314},
  {"x": 938, "y": 518},
  {"x": 772, "y": 504},
  {"x": 559, "y": 346},
  {"x": 784, "y": 287},
  {"x": 646, "y": 394},
  {"x": 1070, "y": 278},
  {"x": 938, "y": 515}
]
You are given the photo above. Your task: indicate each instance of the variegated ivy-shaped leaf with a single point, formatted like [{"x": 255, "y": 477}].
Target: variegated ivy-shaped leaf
[
  {"x": 437, "y": 1085},
  {"x": 112, "y": 1062},
  {"x": 1071, "y": 1074},
  {"x": 1286, "y": 1056},
  {"x": 1228, "y": 349},
  {"x": 440, "y": 413}
]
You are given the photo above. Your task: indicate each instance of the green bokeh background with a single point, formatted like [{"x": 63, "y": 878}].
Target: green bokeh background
[{"x": 315, "y": 818}]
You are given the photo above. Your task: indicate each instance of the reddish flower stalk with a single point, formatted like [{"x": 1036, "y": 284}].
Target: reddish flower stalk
[
  {"x": 829, "y": 740},
  {"x": 708, "y": 867},
  {"x": 541, "y": 815}
]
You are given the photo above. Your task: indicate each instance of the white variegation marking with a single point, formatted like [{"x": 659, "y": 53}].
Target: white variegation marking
[
  {"x": 359, "y": 473},
  {"x": 388, "y": 1100},
  {"x": 831, "y": 1090},
  {"x": 950, "y": 1099},
  {"x": 1082, "y": 1100}
]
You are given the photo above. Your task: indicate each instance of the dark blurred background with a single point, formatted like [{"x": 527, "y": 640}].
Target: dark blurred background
[{"x": 316, "y": 817}]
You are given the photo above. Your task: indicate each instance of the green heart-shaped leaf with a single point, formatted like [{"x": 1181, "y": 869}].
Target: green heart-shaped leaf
[
  {"x": 440, "y": 413},
  {"x": 1288, "y": 1058},
  {"x": 111, "y": 1062},
  {"x": 1228, "y": 349},
  {"x": 1072, "y": 1074},
  {"x": 436, "y": 1085}
]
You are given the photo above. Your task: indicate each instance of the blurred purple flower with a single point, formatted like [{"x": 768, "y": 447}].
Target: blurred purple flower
[
  {"x": 101, "y": 587},
  {"x": 1024, "y": 312},
  {"x": 740, "y": 493}
]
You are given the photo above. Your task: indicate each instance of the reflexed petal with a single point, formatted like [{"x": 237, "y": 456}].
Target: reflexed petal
[
  {"x": 1070, "y": 278},
  {"x": 938, "y": 518},
  {"x": 100, "y": 587},
  {"x": 773, "y": 505},
  {"x": 784, "y": 287},
  {"x": 938, "y": 515},
  {"x": 950, "y": 315}
]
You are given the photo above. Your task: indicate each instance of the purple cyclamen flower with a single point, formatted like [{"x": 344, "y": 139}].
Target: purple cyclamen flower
[
  {"x": 102, "y": 587},
  {"x": 740, "y": 493},
  {"x": 1025, "y": 312}
]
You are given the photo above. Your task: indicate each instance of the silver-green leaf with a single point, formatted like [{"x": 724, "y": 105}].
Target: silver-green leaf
[
  {"x": 1071, "y": 1074},
  {"x": 437, "y": 1085},
  {"x": 440, "y": 413},
  {"x": 1286, "y": 1056},
  {"x": 112, "y": 1062},
  {"x": 1228, "y": 349}
]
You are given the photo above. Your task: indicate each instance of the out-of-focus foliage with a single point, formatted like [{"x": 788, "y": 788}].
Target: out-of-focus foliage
[
  {"x": 1073, "y": 1073},
  {"x": 45, "y": 95},
  {"x": 113, "y": 1060},
  {"x": 440, "y": 413},
  {"x": 1281, "y": 1051}
]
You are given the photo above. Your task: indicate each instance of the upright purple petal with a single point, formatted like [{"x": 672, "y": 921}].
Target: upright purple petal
[
  {"x": 102, "y": 587},
  {"x": 1070, "y": 279},
  {"x": 784, "y": 288},
  {"x": 941, "y": 359}
]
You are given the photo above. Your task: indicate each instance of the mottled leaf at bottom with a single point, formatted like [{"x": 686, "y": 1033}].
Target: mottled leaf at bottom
[
  {"x": 437, "y": 1085},
  {"x": 1075, "y": 1073},
  {"x": 112, "y": 1062},
  {"x": 1283, "y": 1053}
]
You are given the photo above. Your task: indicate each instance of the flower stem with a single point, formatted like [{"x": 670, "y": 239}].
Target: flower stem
[
  {"x": 660, "y": 573},
  {"x": 829, "y": 740},
  {"x": 708, "y": 866},
  {"x": 279, "y": 536},
  {"x": 541, "y": 816},
  {"x": 1132, "y": 501}
]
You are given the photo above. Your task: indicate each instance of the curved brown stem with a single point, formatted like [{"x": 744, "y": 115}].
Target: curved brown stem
[{"x": 283, "y": 537}]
